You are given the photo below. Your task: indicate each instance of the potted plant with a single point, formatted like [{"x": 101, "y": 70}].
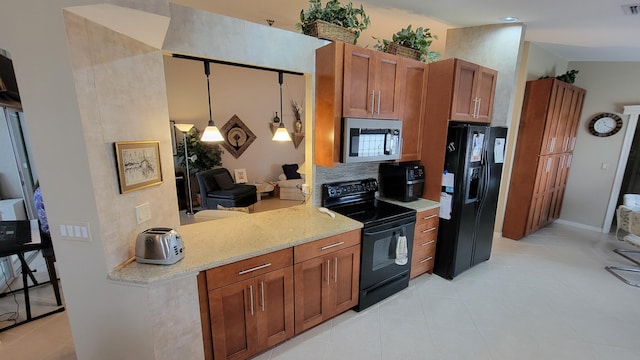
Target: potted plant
[
  {"x": 411, "y": 44},
  {"x": 202, "y": 156},
  {"x": 333, "y": 22}
]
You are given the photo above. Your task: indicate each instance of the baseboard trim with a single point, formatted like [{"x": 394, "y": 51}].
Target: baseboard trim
[{"x": 578, "y": 225}]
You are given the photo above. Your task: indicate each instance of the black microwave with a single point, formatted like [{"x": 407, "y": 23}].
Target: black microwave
[{"x": 402, "y": 181}]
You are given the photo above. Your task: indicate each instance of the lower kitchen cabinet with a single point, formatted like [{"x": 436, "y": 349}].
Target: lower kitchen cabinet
[
  {"x": 326, "y": 280},
  {"x": 251, "y": 305},
  {"x": 424, "y": 242}
]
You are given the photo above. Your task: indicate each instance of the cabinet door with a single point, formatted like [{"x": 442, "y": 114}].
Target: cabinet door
[
  {"x": 233, "y": 323},
  {"x": 371, "y": 84},
  {"x": 464, "y": 102},
  {"x": 485, "y": 89},
  {"x": 274, "y": 308},
  {"x": 412, "y": 100},
  {"x": 359, "y": 93},
  {"x": 311, "y": 293},
  {"x": 344, "y": 280},
  {"x": 387, "y": 86}
]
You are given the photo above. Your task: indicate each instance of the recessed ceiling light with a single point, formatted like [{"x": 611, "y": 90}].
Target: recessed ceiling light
[{"x": 509, "y": 19}]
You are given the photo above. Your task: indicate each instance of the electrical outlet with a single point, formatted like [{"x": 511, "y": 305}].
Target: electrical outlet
[
  {"x": 143, "y": 213},
  {"x": 306, "y": 190}
]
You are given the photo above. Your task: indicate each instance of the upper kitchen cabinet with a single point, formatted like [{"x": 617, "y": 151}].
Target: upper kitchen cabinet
[
  {"x": 354, "y": 82},
  {"x": 412, "y": 106},
  {"x": 371, "y": 84},
  {"x": 473, "y": 89}
]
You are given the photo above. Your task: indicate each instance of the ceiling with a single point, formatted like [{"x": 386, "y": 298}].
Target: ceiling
[{"x": 576, "y": 30}]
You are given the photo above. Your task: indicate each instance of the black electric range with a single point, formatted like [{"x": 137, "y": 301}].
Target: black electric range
[
  {"x": 356, "y": 200},
  {"x": 383, "y": 269}
]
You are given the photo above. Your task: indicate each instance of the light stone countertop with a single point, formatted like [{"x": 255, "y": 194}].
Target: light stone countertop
[
  {"x": 218, "y": 242},
  {"x": 417, "y": 205}
]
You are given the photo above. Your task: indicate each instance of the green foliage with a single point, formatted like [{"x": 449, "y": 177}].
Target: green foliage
[
  {"x": 207, "y": 155},
  {"x": 569, "y": 77},
  {"x": 354, "y": 19},
  {"x": 420, "y": 40}
]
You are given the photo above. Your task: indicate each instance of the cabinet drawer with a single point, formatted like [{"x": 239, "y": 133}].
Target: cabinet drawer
[
  {"x": 246, "y": 269},
  {"x": 426, "y": 231},
  {"x": 423, "y": 248},
  {"x": 421, "y": 265},
  {"x": 327, "y": 245},
  {"x": 428, "y": 217}
]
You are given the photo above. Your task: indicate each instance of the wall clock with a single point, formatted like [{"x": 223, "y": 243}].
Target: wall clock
[
  {"x": 237, "y": 136},
  {"x": 605, "y": 124}
]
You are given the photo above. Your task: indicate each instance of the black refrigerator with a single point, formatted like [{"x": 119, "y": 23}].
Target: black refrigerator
[{"x": 469, "y": 198}]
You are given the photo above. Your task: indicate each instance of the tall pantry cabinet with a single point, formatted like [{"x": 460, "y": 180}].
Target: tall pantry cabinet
[{"x": 546, "y": 138}]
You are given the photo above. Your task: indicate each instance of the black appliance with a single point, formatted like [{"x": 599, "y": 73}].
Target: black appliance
[
  {"x": 401, "y": 181},
  {"x": 471, "y": 182},
  {"x": 385, "y": 224}
]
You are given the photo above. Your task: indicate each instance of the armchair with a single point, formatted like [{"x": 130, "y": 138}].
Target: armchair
[
  {"x": 217, "y": 188},
  {"x": 628, "y": 226}
]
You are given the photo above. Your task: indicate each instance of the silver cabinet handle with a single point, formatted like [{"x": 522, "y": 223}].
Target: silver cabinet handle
[
  {"x": 251, "y": 298},
  {"x": 428, "y": 243},
  {"x": 428, "y": 230},
  {"x": 425, "y": 260},
  {"x": 373, "y": 100},
  {"x": 254, "y": 269},
  {"x": 379, "y": 100},
  {"x": 332, "y": 245},
  {"x": 548, "y": 165},
  {"x": 569, "y": 160},
  {"x": 565, "y": 144},
  {"x": 573, "y": 142},
  {"x": 335, "y": 269},
  {"x": 430, "y": 217},
  {"x": 328, "y": 276},
  {"x": 478, "y": 107},
  {"x": 262, "y": 295},
  {"x": 552, "y": 145}
]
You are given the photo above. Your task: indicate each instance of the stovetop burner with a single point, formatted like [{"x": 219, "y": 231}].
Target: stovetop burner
[{"x": 356, "y": 200}]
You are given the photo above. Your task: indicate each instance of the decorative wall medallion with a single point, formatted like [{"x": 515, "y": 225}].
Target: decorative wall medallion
[{"x": 237, "y": 136}]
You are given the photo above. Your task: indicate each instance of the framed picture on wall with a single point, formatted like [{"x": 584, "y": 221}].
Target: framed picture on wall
[
  {"x": 241, "y": 175},
  {"x": 138, "y": 164}
]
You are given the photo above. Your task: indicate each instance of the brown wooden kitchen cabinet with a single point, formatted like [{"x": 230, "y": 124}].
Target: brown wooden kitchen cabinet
[
  {"x": 251, "y": 305},
  {"x": 424, "y": 242},
  {"x": 326, "y": 280},
  {"x": 546, "y": 138},
  {"x": 473, "y": 91},
  {"x": 456, "y": 90},
  {"x": 371, "y": 84},
  {"x": 412, "y": 106},
  {"x": 352, "y": 82}
]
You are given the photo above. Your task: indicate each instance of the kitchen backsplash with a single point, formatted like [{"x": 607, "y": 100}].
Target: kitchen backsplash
[{"x": 342, "y": 172}]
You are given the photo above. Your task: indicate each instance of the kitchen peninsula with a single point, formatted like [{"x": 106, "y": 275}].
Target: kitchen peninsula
[{"x": 214, "y": 243}]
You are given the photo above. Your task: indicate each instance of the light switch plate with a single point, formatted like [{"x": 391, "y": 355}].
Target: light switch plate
[{"x": 143, "y": 213}]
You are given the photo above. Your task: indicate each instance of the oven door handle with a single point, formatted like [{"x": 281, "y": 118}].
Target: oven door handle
[{"x": 391, "y": 230}]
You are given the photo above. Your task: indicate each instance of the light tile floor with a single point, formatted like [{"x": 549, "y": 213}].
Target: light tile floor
[{"x": 544, "y": 297}]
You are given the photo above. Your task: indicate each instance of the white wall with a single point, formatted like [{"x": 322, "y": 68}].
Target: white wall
[
  {"x": 253, "y": 95},
  {"x": 609, "y": 86}
]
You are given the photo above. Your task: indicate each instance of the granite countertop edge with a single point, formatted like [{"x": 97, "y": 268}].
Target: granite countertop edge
[
  {"x": 219, "y": 242},
  {"x": 418, "y": 205}
]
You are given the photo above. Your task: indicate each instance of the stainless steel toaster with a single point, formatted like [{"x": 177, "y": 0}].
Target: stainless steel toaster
[{"x": 159, "y": 246}]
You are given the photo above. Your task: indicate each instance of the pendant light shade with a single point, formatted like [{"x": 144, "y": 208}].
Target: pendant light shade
[
  {"x": 211, "y": 133},
  {"x": 281, "y": 134}
]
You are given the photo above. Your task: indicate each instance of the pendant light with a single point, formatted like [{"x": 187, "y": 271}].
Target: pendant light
[
  {"x": 211, "y": 132},
  {"x": 281, "y": 134}
]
